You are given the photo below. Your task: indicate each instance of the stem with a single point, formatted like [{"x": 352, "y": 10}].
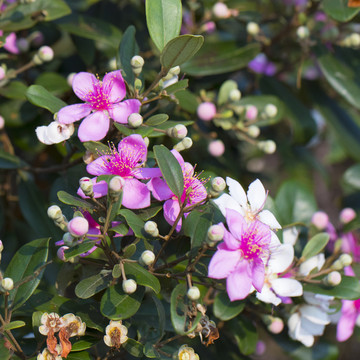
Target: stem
[
  {"x": 159, "y": 76},
  {"x": 123, "y": 274},
  {"x": 162, "y": 343}
]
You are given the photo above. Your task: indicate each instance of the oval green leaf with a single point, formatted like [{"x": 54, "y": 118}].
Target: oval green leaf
[
  {"x": 79, "y": 249},
  {"x": 14, "y": 325},
  {"x": 90, "y": 286},
  {"x": 339, "y": 9},
  {"x": 39, "y": 96},
  {"x": 352, "y": 176},
  {"x": 196, "y": 226},
  {"x": 315, "y": 245},
  {"x": 157, "y": 119},
  {"x": 69, "y": 199},
  {"x": 142, "y": 276},
  {"x": 224, "y": 309},
  {"x": 134, "y": 347}
]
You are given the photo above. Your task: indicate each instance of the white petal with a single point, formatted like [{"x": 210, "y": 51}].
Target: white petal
[
  {"x": 281, "y": 258},
  {"x": 256, "y": 195},
  {"x": 308, "y": 327},
  {"x": 314, "y": 314},
  {"x": 307, "y": 266},
  {"x": 237, "y": 192},
  {"x": 275, "y": 242},
  {"x": 307, "y": 340},
  {"x": 287, "y": 287},
  {"x": 290, "y": 235},
  {"x": 41, "y": 133},
  {"x": 268, "y": 218},
  {"x": 267, "y": 296},
  {"x": 225, "y": 201},
  {"x": 294, "y": 325},
  {"x": 57, "y": 132}
]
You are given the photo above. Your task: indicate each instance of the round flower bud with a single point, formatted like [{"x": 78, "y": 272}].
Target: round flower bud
[
  {"x": 151, "y": 228},
  {"x": 7, "y": 284},
  {"x": 218, "y": 183},
  {"x": 221, "y": 11},
  {"x": 333, "y": 279},
  {"x": 70, "y": 78},
  {"x": 135, "y": 120},
  {"x": 355, "y": 39},
  {"x": 112, "y": 64},
  {"x": 137, "y": 61},
  {"x": 78, "y": 226},
  {"x": 2, "y": 73},
  {"x": 253, "y": 131},
  {"x": 276, "y": 326},
  {"x": 271, "y": 110},
  {"x": 36, "y": 59},
  {"x": 2, "y": 122},
  {"x": 268, "y": 146},
  {"x": 54, "y": 212},
  {"x": 46, "y": 53},
  {"x": 209, "y": 27},
  {"x": 216, "y": 148},
  {"x": 61, "y": 253},
  {"x": 23, "y": 45},
  {"x": 193, "y": 293},
  {"x": 252, "y": 28},
  {"x": 347, "y": 215},
  {"x": 215, "y": 233},
  {"x": 184, "y": 144},
  {"x": 251, "y": 112},
  {"x": 147, "y": 257},
  {"x": 179, "y": 131},
  {"x": 302, "y": 32},
  {"x": 175, "y": 70},
  {"x": 345, "y": 259},
  {"x": 87, "y": 186},
  {"x": 235, "y": 95},
  {"x": 116, "y": 185},
  {"x": 206, "y": 111},
  {"x": 337, "y": 265},
  {"x": 129, "y": 286},
  {"x": 320, "y": 219}
]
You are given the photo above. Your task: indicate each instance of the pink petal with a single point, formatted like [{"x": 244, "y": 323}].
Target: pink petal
[
  {"x": 179, "y": 158},
  {"x": 97, "y": 167},
  {"x": 223, "y": 263},
  {"x": 148, "y": 173},
  {"x": 114, "y": 86},
  {"x": 237, "y": 224},
  {"x": 258, "y": 274},
  {"x": 238, "y": 283},
  {"x": 94, "y": 127},
  {"x": 171, "y": 211},
  {"x": 136, "y": 195},
  {"x": 159, "y": 189},
  {"x": 230, "y": 241},
  {"x": 121, "y": 111},
  {"x": 83, "y": 84},
  {"x": 100, "y": 189},
  {"x": 72, "y": 113},
  {"x": 133, "y": 146},
  {"x": 10, "y": 44}
]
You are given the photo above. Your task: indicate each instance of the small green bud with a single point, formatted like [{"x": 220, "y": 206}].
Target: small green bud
[
  {"x": 7, "y": 284},
  {"x": 193, "y": 293},
  {"x": 302, "y": 32},
  {"x": 332, "y": 279},
  {"x": 87, "y": 186},
  {"x": 129, "y": 286},
  {"x": 345, "y": 259},
  {"x": 147, "y": 257},
  {"x": 235, "y": 95},
  {"x": 252, "y": 28},
  {"x": 253, "y": 131},
  {"x": 184, "y": 144},
  {"x": 271, "y": 110},
  {"x": 151, "y": 228}
]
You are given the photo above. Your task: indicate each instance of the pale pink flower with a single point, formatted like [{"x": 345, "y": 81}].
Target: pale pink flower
[
  {"x": 102, "y": 102},
  {"x": 10, "y": 43}
]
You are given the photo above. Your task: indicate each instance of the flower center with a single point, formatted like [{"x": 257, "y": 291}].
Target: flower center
[{"x": 98, "y": 99}]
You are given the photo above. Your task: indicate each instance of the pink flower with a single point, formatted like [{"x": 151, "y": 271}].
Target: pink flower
[
  {"x": 241, "y": 258},
  {"x": 10, "y": 43},
  {"x": 127, "y": 162},
  {"x": 350, "y": 311},
  {"x": 161, "y": 191},
  {"x": 102, "y": 101}
]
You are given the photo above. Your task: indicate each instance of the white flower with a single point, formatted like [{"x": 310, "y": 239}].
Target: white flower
[
  {"x": 49, "y": 322},
  {"x": 250, "y": 206},
  {"x": 290, "y": 235},
  {"x": 310, "y": 264},
  {"x": 115, "y": 334},
  {"x": 54, "y": 133},
  {"x": 73, "y": 325},
  {"x": 279, "y": 261},
  {"x": 322, "y": 301}
]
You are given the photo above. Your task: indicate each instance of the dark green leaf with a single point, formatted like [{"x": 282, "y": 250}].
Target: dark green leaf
[
  {"x": 79, "y": 356},
  {"x": 96, "y": 147},
  {"x": 180, "y": 49},
  {"x": 352, "y": 176},
  {"x": 161, "y": 314},
  {"x": 79, "y": 249},
  {"x": 129, "y": 251},
  {"x": 163, "y": 18},
  {"x": 339, "y": 10},
  {"x": 39, "y": 96},
  {"x": 157, "y": 119},
  {"x": 116, "y": 271},
  {"x": 121, "y": 229},
  {"x": 53, "y": 82},
  {"x": 133, "y": 347},
  {"x": 179, "y": 85},
  {"x": 15, "y": 90},
  {"x": 245, "y": 335},
  {"x": 143, "y": 131},
  {"x": 88, "y": 287},
  {"x": 117, "y": 305},
  {"x": 187, "y": 101},
  {"x": 26, "y": 263},
  {"x": 224, "y": 309},
  {"x": 149, "y": 213},
  {"x": 196, "y": 226},
  {"x": 142, "y": 276},
  {"x": 315, "y": 245},
  {"x": 170, "y": 169},
  {"x": 85, "y": 343},
  {"x": 69, "y": 199},
  {"x": 134, "y": 222},
  {"x": 9, "y": 161},
  {"x": 14, "y": 325}
]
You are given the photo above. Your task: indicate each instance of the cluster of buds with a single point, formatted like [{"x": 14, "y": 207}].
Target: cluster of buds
[
  {"x": 67, "y": 326},
  {"x": 55, "y": 214},
  {"x": 352, "y": 40},
  {"x": 115, "y": 334},
  {"x": 184, "y": 144},
  {"x": 44, "y": 54},
  {"x": 218, "y": 185},
  {"x": 178, "y": 131},
  {"x": 151, "y": 228},
  {"x": 171, "y": 77},
  {"x": 87, "y": 186},
  {"x": 137, "y": 63}
]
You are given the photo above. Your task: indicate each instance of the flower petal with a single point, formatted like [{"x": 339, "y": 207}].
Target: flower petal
[
  {"x": 256, "y": 195},
  {"x": 121, "y": 111},
  {"x": 268, "y": 218},
  {"x": 171, "y": 211},
  {"x": 83, "y": 84},
  {"x": 72, "y": 113},
  {"x": 223, "y": 263},
  {"x": 136, "y": 195},
  {"x": 314, "y": 314},
  {"x": 41, "y": 133},
  {"x": 229, "y": 240},
  {"x": 345, "y": 326},
  {"x": 57, "y": 132},
  {"x": 225, "y": 201},
  {"x": 178, "y": 157},
  {"x": 268, "y": 296},
  {"x": 237, "y": 192},
  {"x": 94, "y": 127},
  {"x": 148, "y": 173},
  {"x": 236, "y": 223},
  {"x": 159, "y": 189},
  {"x": 134, "y": 148},
  {"x": 238, "y": 283},
  {"x": 97, "y": 167},
  {"x": 287, "y": 287},
  {"x": 258, "y": 274},
  {"x": 114, "y": 86},
  {"x": 281, "y": 258}
]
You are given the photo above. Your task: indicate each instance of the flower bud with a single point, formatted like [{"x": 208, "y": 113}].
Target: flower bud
[
  {"x": 129, "y": 286},
  {"x": 2, "y": 73},
  {"x": 320, "y": 219},
  {"x": 347, "y": 215},
  {"x": 137, "y": 61},
  {"x": 215, "y": 233},
  {"x": 178, "y": 131},
  {"x": 87, "y": 186},
  {"x": 135, "y": 120},
  {"x": 268, "y": 146},
  {"x": 302, "y": 32},
  {"x": 1, "y": 246},
  {"x": 70, "y": 78},
  {"x": 88, "y": 157},
  {"x": 271, "y": 110},
  {"x": 184, "y": 144},
  {"x": 355, "y": 39},
  {"x": 54, "y": 212},
  {"x": 276, "y": 326},
  {"x": 175, "y": 70},
  {"x": 146, "y": 141},
  {"x": 337, "y": 265},
  {"x": 208, "y": 27},
  {"x": 46, "y": 53},
  {"x": 221, "y": 11},
  {"x": 206, "y": 111},
  {"x": 116, "y": 186},
  {"x": 252, "y": 28},
  {"x": 69, "y": 240},
  {"x": 2, "y": 122},
  {"x": 218, "y": 184},
  {"x": 235, "y": 95},
  {"x": 7, "y": 284},
  {"x": 216, "y": 148},
  {"x": 23, "y": 45},
  {"x": 345, "y": 259},
  {"x": 61, "y": 253},
  {"x": 36, "y": 38},
  {"x": 147, "y": 257},
  {"x": 78, "y": 226},
  {"x": 332, "y": 279},
  {"x": 251, "y": 112},
  {"x": 193, "y": 293},
  {"x": 253, "y": 131},
  {"x": 151, "y": 228}
]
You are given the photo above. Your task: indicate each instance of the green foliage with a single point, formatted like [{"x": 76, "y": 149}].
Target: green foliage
[
  {"x": 315, "y": 245},
  {"x": 39, "y": 96},
  {"x": 224, "y": 309},
  {"x": 339, "y": 10},
  {"x": 86, "y": 288}
]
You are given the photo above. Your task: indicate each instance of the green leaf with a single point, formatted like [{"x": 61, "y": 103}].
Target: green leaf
[
  {"x": 161, "y": 314},
  {"x": 339, "y": 10},
  {"x": 134, "y": 222},
  {"x": 352, "y": 176},
  {"x": 25, "y": 263},
  {"x": 53, "y": 82},
  {"x": 129, "y": 251},
  {"x": 92, "y": 285},
  {"x": 15, "y": 90},
  {"x": 224, "y": 92},
  {"x": 143, "y": 131},
  {"x": 4, "y": 351},
  {"x": 342, "y": 78},
  {"x": 157, "y": 119},
  {"x": 179, "y": 50},
  {"x": 69, "y": 199},
  {"x": 133, "y": 347},
  {"x": 149, "y": 213},
  {"x": 14, "y": 325},
  {"x": 127, "y": 50},
  {"x": 142, "y": 276},
  {"x": 315, "y": 245},
  {"x": 79, "y": 356},
  {"x": 170, "y": 169},
  {"x": 116, "y": 271},
  {"x": 348, "y": 289},
  {"x": 295, "y": 203},
  {"x": 85, "y": 343},
  {"x": 79, "y": 249},
  {"x": 179, "y": 85},
  {"x": 96, "y": 147},
  {"x": 117, "y": 305},
  {"x": 187, "y": 101},
  {"x": 163, "y": 18},
  {"x": 121, "y": 229},
  {"x": 39, "y": 96},
  {"x": 10, "y": 161},
  {"x": 196, "y": 226},
  {"x": 220, "y": 57},
  {"x": 224, "y": 309},
  {"x": 245, "y": 335}
]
